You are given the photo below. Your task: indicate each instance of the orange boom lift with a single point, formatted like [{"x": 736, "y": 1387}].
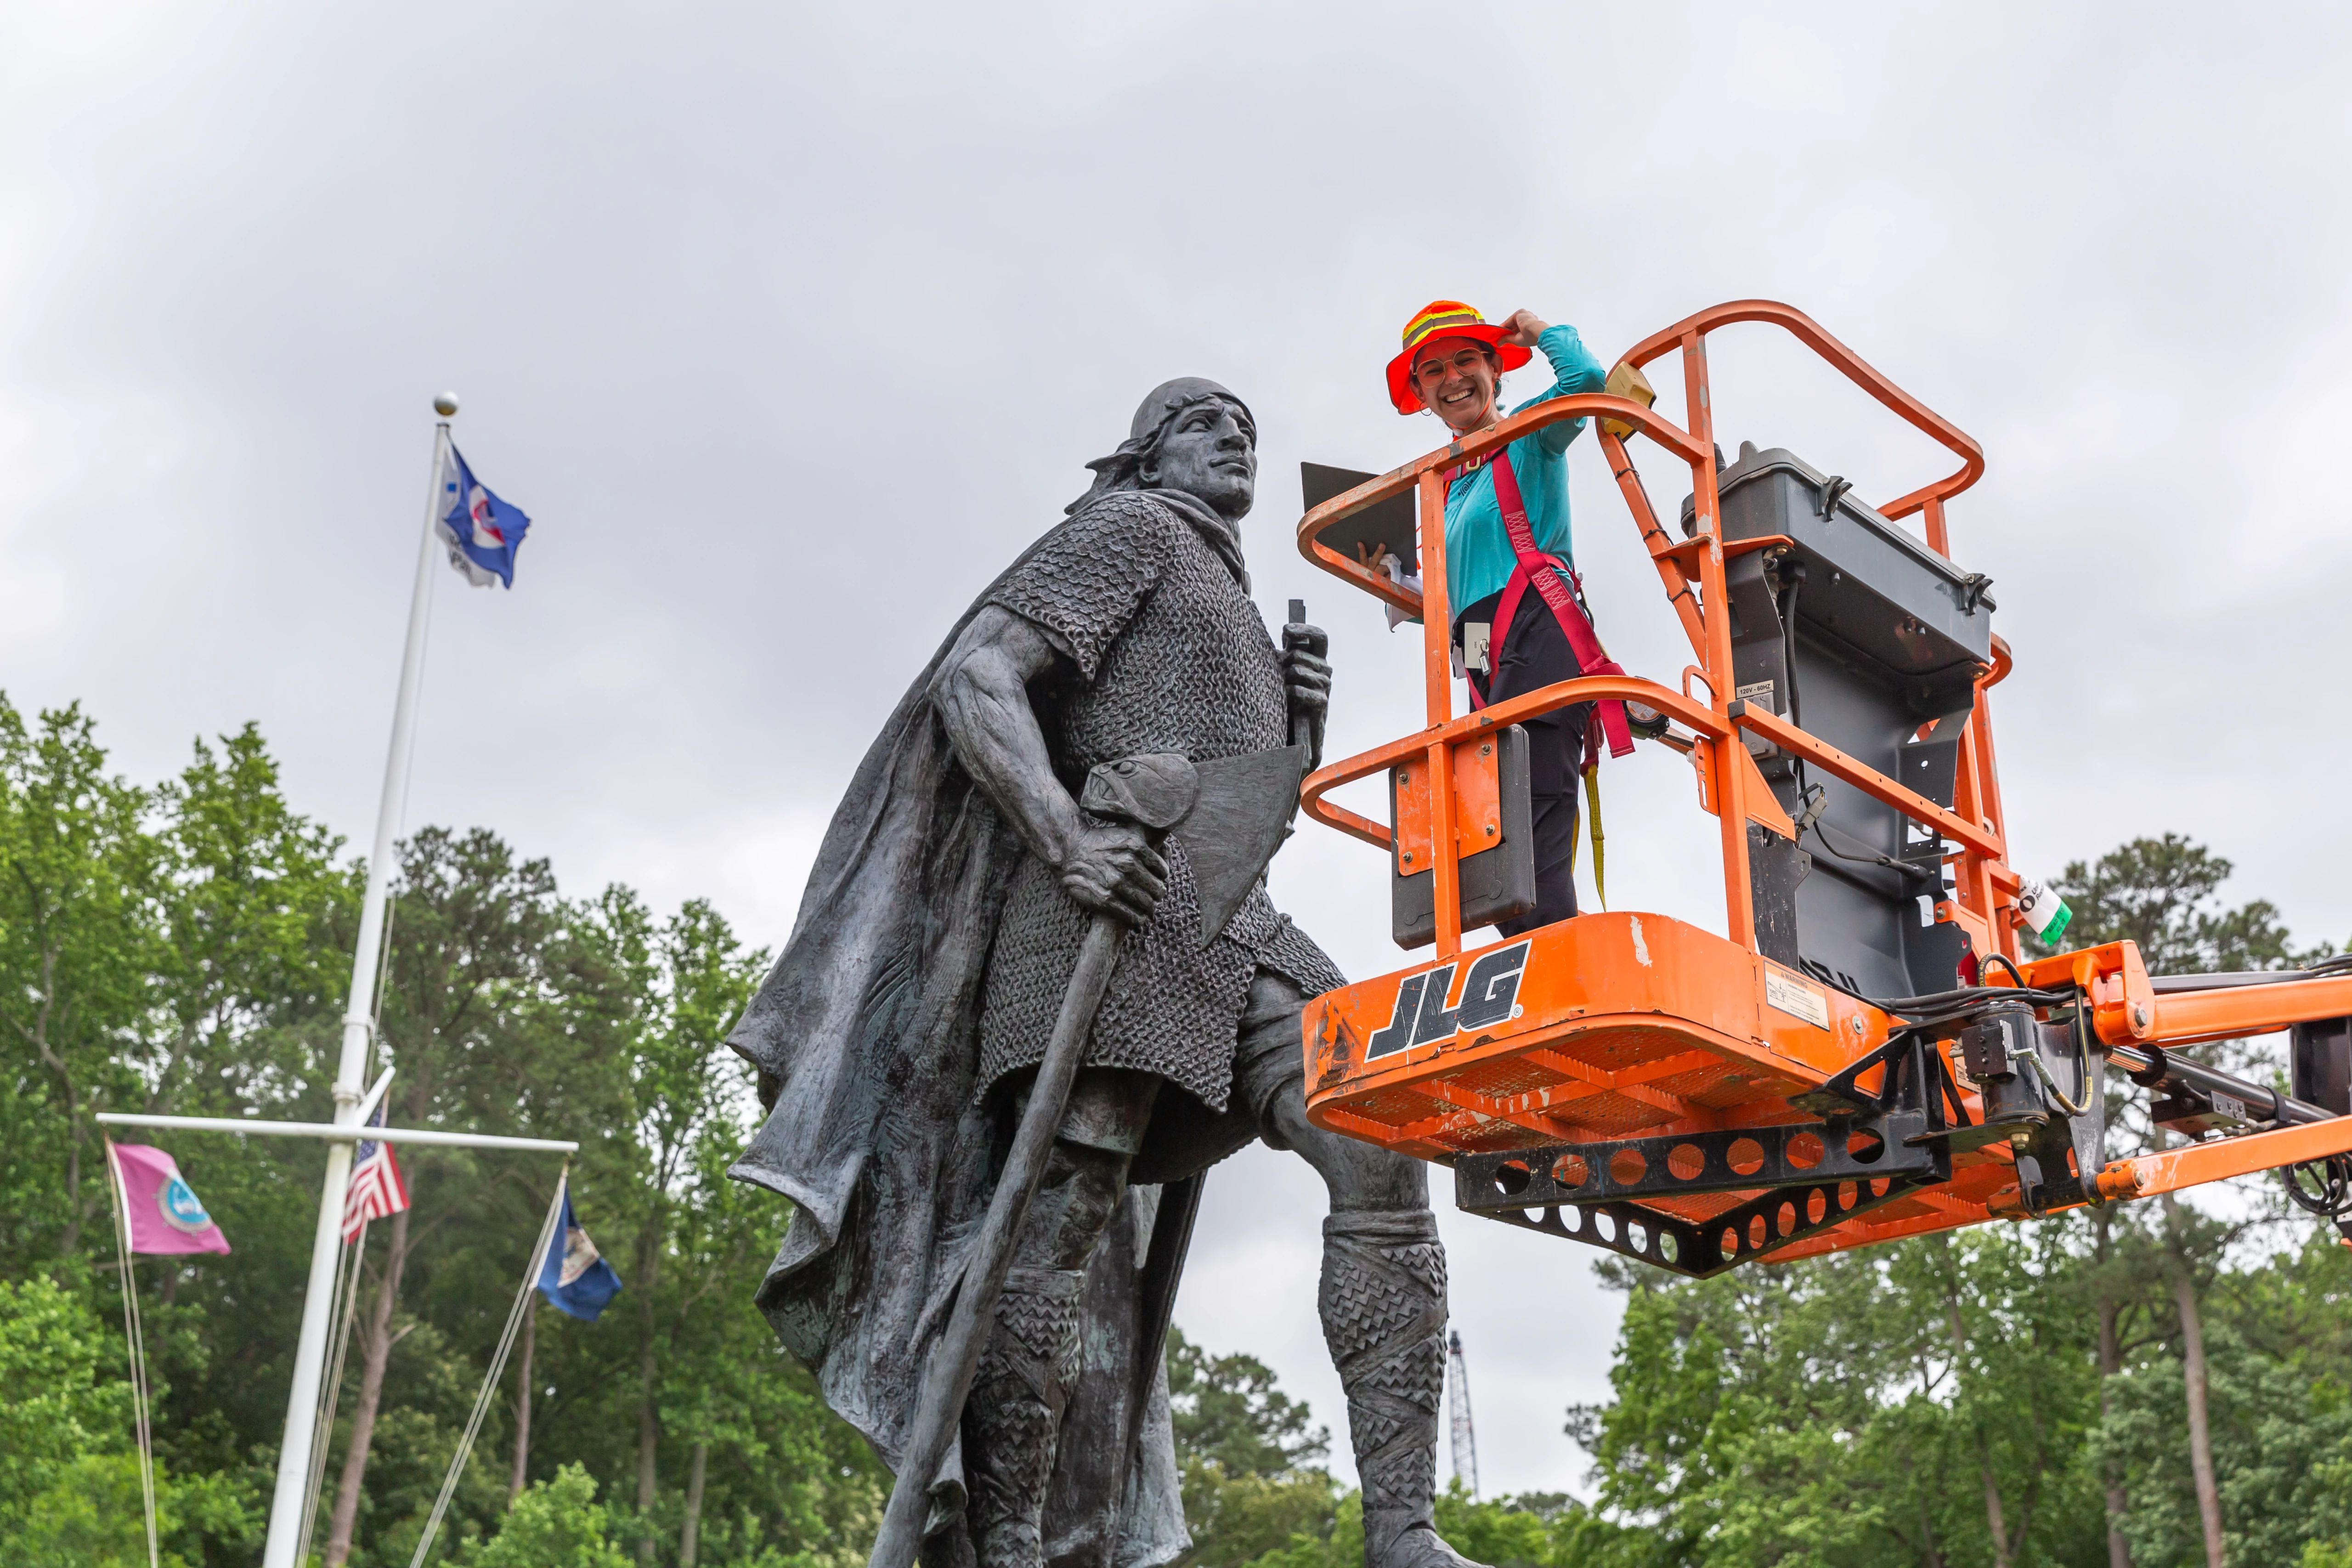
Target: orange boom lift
[{"x": 1866, "y": 1053}]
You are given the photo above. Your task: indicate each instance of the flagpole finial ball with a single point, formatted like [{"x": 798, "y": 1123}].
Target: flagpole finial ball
[{"x": 445, "y": 404}]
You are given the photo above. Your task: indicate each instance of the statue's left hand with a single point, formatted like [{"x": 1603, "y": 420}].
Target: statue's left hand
[
  {"x": 1307, "y": 685},
  {"x": 1307, "y": 677}
]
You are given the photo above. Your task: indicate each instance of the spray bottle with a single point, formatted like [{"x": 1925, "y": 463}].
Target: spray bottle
[{"x": 2042, "y": 912}]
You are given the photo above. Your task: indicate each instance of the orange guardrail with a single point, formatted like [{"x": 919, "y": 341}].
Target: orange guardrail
[
  {"x": 1692, "y": 573},
  {"x": 1633, "y": 1026}
]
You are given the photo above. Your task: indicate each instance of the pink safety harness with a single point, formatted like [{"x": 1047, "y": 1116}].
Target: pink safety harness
[{"x": 1551, "y": 577}]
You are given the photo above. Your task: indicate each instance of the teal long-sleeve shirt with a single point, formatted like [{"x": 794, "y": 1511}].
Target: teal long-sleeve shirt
[{"x": 1478, "y": 556}]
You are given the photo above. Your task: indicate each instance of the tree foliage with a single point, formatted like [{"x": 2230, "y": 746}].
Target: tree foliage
[
  {"x": 59, "y": 1407},
  {"x": 1247, "y": 1454},
  {"x": 186, "y": 947},
  {"x": 2002, "y": 1395},
  {"x": 1942, "y": 1401},
  {"x": 556, "y": 1523}
]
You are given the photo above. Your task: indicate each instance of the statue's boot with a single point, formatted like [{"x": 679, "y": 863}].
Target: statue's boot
[
  {"x": 1015, "y": 1414},
  {"x": 1383, "y": 1304}
]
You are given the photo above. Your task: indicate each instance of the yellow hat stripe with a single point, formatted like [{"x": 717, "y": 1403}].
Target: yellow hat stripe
[{"x": 1429, "y": 323}]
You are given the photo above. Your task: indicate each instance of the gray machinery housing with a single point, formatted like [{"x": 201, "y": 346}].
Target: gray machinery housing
[{"x": 1873, "y": 642}]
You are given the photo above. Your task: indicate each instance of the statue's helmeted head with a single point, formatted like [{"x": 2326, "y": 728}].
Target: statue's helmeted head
[{"x": 1190, "y": 435}]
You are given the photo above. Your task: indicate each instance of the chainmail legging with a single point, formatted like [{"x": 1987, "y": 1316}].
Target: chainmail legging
[
  {"x": 1383, "y": 1304},
  {"x": 1015, "y": 1412}
]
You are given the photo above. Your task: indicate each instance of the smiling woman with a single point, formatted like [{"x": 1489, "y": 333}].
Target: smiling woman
[{"x": 1507, "y": 531}]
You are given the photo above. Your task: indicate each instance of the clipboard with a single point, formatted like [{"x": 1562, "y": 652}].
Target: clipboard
[{"x": 1392, "y": 522}]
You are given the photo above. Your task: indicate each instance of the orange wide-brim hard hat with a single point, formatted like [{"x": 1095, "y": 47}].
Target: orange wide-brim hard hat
[{"x": 1444, "y": 319}]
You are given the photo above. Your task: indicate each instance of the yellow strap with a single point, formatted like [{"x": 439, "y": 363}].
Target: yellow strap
[{"x": 1599, "y": 839}]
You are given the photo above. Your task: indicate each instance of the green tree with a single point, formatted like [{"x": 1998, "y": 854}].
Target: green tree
[
  {"x": 253, "y": 920},
  {"x": 94, "y": 1516},
  {"x": 493, "y": 1019},
  {"x": 1248, "y": 1455},
  {"x": 557, "y": 1524},
  {"x": 185, "y": 947},
  {"x": 59, "y": 1405},
  {"x": 2280, "y": 1417},
  {"x": 2164, "y": 896},
  {"x": 78, "y": 957},
  {"x": 1227, "y": 1411},
  {"x": 69, "y": 1488},
  {"x": 1924, "y": 1402},
  {"x": 765, "y": 1458},
  {"x": 252, "y": 895},
  {"x": 683, "y": 1094}
]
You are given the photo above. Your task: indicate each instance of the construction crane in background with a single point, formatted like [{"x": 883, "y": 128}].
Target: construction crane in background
[{"x": 1457, "y": 1395}]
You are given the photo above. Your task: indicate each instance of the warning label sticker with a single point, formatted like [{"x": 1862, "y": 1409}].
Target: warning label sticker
[{"x": 1797, "y": 999}]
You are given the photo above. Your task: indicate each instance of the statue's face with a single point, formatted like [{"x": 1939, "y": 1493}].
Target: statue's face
[
  {"x": 1209, "y": 455},
  {"x": 1456, "y": 376}
]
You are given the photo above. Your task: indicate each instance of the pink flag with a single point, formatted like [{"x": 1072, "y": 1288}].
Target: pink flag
[{"x": 165, "y": 1217}]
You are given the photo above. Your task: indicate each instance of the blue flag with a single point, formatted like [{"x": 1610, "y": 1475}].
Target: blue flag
[
  {"x": 482, "y": 531},
  {"x": 577, "y": 1278}
]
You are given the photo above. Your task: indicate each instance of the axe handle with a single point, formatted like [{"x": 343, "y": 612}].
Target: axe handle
[
  {"x": 1296, "y": 635},
  {"x": 947, "y": 1375}
]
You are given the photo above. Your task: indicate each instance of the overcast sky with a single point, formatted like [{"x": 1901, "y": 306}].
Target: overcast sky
[{"x": 790, "y": 325}]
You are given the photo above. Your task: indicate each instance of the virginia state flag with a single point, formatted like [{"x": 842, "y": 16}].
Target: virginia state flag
[
  {"x": 482, "y": 531},
  {"x": 576, "y": 1278}
]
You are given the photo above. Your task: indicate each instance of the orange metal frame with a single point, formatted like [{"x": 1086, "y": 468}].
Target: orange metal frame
[{"x": 1638, "y": 1025}]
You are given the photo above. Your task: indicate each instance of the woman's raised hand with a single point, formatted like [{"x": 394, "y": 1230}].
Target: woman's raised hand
[{"x": 1523, "y": 327}]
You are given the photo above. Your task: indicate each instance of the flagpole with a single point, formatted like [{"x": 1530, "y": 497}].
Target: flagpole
[{"x": 284, "y": 1549}]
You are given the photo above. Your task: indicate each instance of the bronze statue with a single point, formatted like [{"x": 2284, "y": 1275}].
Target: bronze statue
[{"x": 897, "y": 1036}]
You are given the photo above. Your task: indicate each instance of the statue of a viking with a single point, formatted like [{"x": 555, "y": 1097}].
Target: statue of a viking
[{"x": 899, "y": 1033}]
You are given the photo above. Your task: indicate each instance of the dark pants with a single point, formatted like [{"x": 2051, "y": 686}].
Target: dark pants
[{"x": 1534, "y": 653}]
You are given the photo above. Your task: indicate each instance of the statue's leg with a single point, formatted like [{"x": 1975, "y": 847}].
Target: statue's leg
[
  {"x": 1383, "y": 1295},
  {"x": 1023, "y": 1381}
]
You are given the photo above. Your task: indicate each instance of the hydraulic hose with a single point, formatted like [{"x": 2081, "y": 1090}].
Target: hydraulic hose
[
  {"x": 2150, "y": 1066},
  {"x": 1795, "y": 576},
  {"x": 2153, "y": 1066}
]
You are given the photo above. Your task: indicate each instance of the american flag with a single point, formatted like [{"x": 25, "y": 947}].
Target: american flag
[{"x": 376, "y": 1191}]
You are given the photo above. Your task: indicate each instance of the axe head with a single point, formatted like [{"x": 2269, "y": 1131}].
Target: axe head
[
  {"x": 1154, "y": 791},
  {"x": 1240, "y": 819}
]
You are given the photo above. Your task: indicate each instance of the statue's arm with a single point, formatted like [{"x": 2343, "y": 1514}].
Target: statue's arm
[{"x": 982, "y": 693}]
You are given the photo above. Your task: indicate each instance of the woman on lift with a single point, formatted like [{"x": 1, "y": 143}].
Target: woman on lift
[{"x": 1519, "y": 620}]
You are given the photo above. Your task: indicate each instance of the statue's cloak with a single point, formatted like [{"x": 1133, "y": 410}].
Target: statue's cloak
[{"x": 867, "y": 1030}]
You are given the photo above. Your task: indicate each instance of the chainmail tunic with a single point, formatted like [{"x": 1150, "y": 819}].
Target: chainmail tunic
[{"x": 1163, "y": 652}]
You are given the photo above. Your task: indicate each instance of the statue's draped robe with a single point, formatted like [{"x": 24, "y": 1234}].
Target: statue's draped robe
[{"x": 867, "y": 1028}]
